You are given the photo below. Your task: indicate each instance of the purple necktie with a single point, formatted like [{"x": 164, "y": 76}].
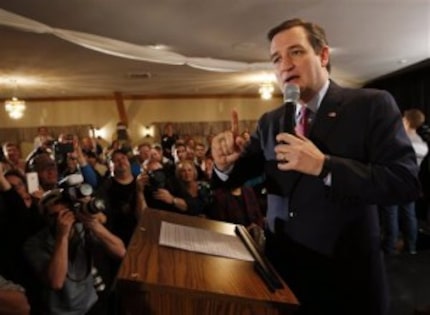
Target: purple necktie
[{"x": 302, "y": 127}]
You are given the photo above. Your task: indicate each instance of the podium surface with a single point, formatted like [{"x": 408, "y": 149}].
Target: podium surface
[{"x": 155, "y": 279}]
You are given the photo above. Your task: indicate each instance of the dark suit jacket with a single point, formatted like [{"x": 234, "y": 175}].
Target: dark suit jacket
[{"x": 373, "y": 162}]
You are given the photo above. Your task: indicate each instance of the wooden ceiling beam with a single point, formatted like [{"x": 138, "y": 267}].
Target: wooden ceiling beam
[{"x": 122, "y": 113}]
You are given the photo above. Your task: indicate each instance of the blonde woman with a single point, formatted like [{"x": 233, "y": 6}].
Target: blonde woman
[{"x": 186, "y": 194}]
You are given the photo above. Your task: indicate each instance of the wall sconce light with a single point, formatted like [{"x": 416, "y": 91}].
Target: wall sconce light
[
  {"x": 266, "y": 90},
  {"x": 100, "y": 133},
  {"x": 148, "y": 131}
]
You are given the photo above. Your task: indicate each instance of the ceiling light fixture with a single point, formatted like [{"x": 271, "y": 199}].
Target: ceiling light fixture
[
  {"x": 159, "y": 47},
  {"x": 266, "y": 90},
  {"x": 15, "y": 107}
]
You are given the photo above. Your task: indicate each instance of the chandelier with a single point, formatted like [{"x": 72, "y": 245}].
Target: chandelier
[
  {"x": 15, "y": 107},
  {"x": 266, "y": 90}
]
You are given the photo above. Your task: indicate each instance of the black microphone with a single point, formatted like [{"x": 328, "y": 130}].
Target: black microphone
[{"x": 291, "y": 98}]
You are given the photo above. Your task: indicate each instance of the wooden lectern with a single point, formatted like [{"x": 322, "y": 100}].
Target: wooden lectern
[{"x": 161, "y": 280}]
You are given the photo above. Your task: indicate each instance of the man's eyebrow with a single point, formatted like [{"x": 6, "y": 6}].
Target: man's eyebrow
[
  {"x": 295, "y": 46},
  {"x": 273, "y": 55},
  {"x": 276, "y": 53}
]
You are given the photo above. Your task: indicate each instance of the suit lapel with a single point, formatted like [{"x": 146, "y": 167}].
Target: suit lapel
[{"x": 328, "y": 112}]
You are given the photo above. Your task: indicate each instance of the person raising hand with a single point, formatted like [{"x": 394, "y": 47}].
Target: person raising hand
[{"x": 228, "y": 145}]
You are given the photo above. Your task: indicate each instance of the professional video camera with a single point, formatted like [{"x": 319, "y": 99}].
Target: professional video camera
[{"x": 79, "y": 195}]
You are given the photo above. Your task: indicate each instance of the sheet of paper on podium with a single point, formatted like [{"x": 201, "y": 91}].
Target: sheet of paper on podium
[{"x": 203, "y": 241}]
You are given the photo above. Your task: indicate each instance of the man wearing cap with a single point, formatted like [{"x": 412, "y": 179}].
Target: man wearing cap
[{"x": 47, "y": 171}]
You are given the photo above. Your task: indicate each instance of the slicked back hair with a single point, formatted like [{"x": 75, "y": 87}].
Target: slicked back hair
[{"x": 315, "y": 34}]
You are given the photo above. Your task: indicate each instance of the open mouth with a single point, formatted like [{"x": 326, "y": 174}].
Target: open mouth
[{"x": 291, "y": 78}]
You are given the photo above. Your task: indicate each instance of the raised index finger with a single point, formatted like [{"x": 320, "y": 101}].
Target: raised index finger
[{"x": 234, "y": 122}]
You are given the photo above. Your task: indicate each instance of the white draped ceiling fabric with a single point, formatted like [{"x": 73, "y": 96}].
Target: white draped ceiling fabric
[{"x": 127, "y": 50}]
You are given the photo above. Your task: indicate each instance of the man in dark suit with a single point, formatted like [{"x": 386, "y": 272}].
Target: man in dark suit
[{"x": 322, "y": 223}]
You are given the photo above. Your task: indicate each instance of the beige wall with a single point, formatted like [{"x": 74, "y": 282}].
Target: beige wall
[{"x": 104, "y": 114}]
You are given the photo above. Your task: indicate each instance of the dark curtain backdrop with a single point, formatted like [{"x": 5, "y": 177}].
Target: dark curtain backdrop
[{"x": 410, "y": 87}]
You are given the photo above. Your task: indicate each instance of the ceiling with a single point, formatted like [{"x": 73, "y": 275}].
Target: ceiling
[{"x": 369, "y": 38}]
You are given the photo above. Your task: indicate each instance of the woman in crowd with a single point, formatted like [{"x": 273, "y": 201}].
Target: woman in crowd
[
  {"x": 184, "y": 193},
  {"x": 187, "y": 195},
  {"x": 21, "y": 220}
]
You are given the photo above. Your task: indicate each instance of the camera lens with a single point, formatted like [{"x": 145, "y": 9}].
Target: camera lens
[
  {"x": 85, "y": 190},
  {"x": 95, "y": 205}
]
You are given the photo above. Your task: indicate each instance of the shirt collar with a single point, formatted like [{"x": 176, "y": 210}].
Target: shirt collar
[{"x": 315, "y": 102}]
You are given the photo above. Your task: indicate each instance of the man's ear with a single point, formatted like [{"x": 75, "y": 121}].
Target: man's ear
[{"x": 325, "y": 56}]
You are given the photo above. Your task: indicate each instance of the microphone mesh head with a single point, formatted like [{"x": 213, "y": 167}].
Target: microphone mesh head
[{"x": 291, "y": 93}]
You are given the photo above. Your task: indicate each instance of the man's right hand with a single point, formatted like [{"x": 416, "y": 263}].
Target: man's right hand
[
  {"x": 228, "y": 145},
  {"x": 65, "y": 221}
]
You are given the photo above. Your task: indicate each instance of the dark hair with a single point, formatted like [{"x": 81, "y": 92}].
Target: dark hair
[
  {"x": 118, "y": 151},
  {"x": 144, "y": 144},
  {"x": 16, "y": 173},
  {"x": 9, "y": 144},
  {"x": 89, "y": 154},
  {"x": 39, "y": 162},
  {"x": 49, "y": 198},
  {"x": 315, "y": 34}
]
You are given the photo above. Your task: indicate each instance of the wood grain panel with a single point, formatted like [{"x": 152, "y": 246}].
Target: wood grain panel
[{"x": 157, "y": 279}]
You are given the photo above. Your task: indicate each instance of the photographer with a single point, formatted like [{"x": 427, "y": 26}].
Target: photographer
[
  {"x": 61, "y": 254},
  {"x": 156, "y": 182}
]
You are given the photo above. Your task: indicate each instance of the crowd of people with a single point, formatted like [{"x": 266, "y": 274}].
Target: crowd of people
[
  {"x": 35, "y": 226},
  {"x": 77, "y": 225}
]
